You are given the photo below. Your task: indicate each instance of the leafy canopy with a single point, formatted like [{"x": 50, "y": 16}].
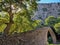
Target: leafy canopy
[
  {"x": 21, "y": 10},
  {"x": 57, "y": 27},
  {"x": 50, "y": 21},
  {"x": 54, "y": 22}
]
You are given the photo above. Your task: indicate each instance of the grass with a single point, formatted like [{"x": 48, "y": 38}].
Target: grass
[{"x": 54, "y": 44}]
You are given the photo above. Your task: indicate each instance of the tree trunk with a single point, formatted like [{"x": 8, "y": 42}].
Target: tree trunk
[{"x": 6, "y": 30}]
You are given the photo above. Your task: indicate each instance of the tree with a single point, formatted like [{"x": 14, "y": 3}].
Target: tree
[
  {"x": 58, "y": 19},
  {"x": 57, "y": 28},
  {"x": 57, "y": 25},
  {"x": 17, "y": 14},
  {"x": 50, "y": 21}
]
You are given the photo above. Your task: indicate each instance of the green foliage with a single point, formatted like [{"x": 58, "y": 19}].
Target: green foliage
[
  {"x": 23, "y": 23},
  {"x": 0, "y": 0},
  {"x": 2, "y": 27},
  {"x": 57, "y": 28},
  {"x": 30, "y": 5},
  {"x": 21, "y": 11},
  {"x": 54, "y": 22},
  {"x": 4, "y": 17},
  {"x": 58, "y": 20},
  {"x": 50, "y": 40},
  {"x": 50, "y": 21}
]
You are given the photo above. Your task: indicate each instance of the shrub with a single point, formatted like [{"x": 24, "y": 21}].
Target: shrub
[
  {"x": 57, "y": 28},
  {"x": 58, "y": 20},
  {"x": 50, "y": 21}
]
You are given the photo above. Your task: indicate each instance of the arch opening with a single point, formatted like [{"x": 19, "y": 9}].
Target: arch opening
[{"x": 52, "y": 36}]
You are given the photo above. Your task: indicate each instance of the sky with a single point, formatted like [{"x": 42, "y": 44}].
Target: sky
[{"x": 49, "y": 1}]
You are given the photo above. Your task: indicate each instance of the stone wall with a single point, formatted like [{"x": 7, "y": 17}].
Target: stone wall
[{"x": 34, "y": 37}]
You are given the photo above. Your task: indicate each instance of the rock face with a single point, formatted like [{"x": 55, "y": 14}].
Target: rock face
[
  {"x": 35, "y": 37},
  {"x": 47, "y": 9}
]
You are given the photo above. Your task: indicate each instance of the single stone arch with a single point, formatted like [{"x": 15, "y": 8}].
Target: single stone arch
[
  {"x": 38, "y": 36},
  {"x": 35, "y": 37},
  {"x": 52, "y": 35}
]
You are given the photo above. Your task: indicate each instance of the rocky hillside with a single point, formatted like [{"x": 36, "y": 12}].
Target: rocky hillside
[{"x": 47, "y": 9}]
